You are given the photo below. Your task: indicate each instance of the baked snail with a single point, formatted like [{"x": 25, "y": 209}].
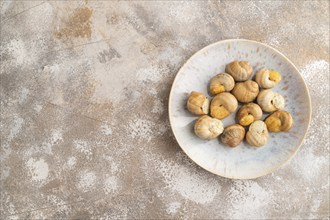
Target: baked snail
[
  {"x": 270, "y": 101},
  {"x": 208, "y": 128},
  {"x": 198, "y": 103},
  {"x": 279, "y": 121},
  {"x": 222, "y": 105},
  {"x": 267, "y": 79},
  {"x": 233, "y": 135},
  {"x": 246, "y": 91},
  {"x": 239, "y": 70},
  {"x": 248, "y": 113},
  {"x": 257, "y": 134},
  {"x": 222, "y": 82}
]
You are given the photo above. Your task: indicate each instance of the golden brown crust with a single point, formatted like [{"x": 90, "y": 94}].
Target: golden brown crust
[
  {"x": 248, "y": 113},
  {"x": 267, "y": 79},
  {"x": 222, "y": 82},
  {"x": 279, "y": 121},
  {"x": 222, "y": 105}
]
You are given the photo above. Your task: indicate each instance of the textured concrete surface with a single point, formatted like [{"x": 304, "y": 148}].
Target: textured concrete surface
[{"x": 84, "y": 125}]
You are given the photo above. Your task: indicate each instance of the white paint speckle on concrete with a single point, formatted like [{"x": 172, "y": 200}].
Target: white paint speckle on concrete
[
  {"x": 38, "y": 108},
  {"x": 141, "y": 128},
  {"x": 150, "y": 74},
  {"x": 23, "y": 96},
  {"x": 308, "y": 165},
  {"x": 83, "y": 147},
  {"x": 87, "y": 181},
  {"x": 111, "y": 185},
  {"x": 16, "y": 127},
  {"x": 106, "y": 129},
  {"x": 189, "y": 185},
  {"x": 18, "y": 51},
  {"x": 158, "y": 107},
  {"x": 38, "y": 169},
  {"x": 71, "y": 162},
  {"x": 249, "y": 200},
  {"x": 315, "y": 69},
  {"x": 54, "y": 139},
  {"x": 173, "y": 208}
]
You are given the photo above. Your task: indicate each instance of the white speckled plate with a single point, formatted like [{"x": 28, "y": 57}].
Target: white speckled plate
[{"x": 242, "y": 162}]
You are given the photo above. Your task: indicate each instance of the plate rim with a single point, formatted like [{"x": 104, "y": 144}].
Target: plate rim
[{"x": 289, "y": 61}]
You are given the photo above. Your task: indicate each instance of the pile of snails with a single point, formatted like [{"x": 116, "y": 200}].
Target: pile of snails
[{"x": 227, "y": 94}]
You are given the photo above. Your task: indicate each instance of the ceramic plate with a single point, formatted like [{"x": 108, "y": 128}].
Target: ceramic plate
[{"x": 244, "y": 161}]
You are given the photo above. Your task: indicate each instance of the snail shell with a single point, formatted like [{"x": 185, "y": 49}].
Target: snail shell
[
  {"x": 279, "y": 121},
  {"x": 222, "y": 105},
  {"x": 246, "y": 91},
  {"x": 248, "y": 113},
  {"x": 239, "y": 70},
  {"x": 198, "y": 103},
  {"x": 208, "y": 128},
  {"x": 258, "y": 134},
  {"x": 267, "y": 79},
  {"x": 222, "y": 82},
  {"x": 270, "y": 101},
  {"x": 233, "y": 135}
]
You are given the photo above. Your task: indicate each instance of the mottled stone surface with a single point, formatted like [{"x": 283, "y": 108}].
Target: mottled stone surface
[{"x": 84, "y": 121}]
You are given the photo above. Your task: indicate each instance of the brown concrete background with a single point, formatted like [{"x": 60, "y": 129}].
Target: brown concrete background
[{"x": 84, "y": 121}]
